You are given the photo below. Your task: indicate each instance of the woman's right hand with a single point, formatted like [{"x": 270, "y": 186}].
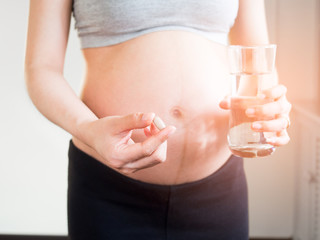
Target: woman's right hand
[{"x": 111, "y": 138}]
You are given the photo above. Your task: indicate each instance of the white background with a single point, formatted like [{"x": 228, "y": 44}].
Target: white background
[{"x": 33, "y": 152}]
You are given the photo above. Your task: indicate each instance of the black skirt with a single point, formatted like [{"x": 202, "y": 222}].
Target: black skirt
[{"x": 104, "y": 204}]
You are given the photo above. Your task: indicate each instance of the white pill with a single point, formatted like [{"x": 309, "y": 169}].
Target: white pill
[{"x": 159, "y": 123}]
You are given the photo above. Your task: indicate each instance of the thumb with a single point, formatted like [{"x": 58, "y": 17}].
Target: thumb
[{"x": 133, "y": 121}]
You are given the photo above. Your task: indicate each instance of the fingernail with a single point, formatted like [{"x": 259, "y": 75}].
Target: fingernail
[
  {"x": 271, "y": 140},
  {"x": 261, "y": 95},
  {"x": 172, "y": 130},
  {"x": 147, "y": 116},
  {"x": 256, "y": 125},
  {"x": 250, "y": 111}
]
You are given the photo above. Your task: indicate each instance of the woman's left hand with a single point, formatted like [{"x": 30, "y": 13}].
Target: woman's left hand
[{"x": 276, "y": 111}]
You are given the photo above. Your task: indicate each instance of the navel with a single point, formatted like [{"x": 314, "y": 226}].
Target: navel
[{"x": 176, "y": 112}]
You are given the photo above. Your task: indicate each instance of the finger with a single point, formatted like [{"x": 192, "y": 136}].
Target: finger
[
  {"x": 126, "y": 139},
  {"x": 151, "y": 130},
  {"x": 281, "y": 139},
  {"x": 133, "y": 170},
  {"x": 225, "y": 103},
  {"x": 285, "y": 117},
  {"x": 129, "y": 170},
  {"x": 154, "y": 130},
  {"x": 275, "y": 92},
  {"x": 275, "y": 125},
  {"x": 147, "y": 132},
  {"x": 157, "y": 157},
  {"x": 132, "y": 121},
  {"x": 136, "y": 151},
  {"x": 269, "y": 109}
]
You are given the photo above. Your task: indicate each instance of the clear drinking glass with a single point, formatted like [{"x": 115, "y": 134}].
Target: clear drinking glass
[{"x": 251, "y": 69}]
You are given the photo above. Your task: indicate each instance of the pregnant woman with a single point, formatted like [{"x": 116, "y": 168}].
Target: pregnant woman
[{"x": 149, "y": 62}]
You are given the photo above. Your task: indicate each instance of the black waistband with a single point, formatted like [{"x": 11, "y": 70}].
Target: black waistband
[{"x": 90, "y": 167}]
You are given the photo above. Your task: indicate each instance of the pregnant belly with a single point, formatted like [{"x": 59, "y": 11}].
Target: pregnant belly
[{"x": 180, "y": 77}]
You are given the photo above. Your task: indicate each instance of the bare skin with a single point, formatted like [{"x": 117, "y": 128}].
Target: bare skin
[
  {"x": 176, "y": 75},
  {"x": 183, "y": 85}
]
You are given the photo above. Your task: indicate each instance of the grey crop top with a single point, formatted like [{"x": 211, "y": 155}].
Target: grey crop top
[{"x": 107, "y": 22}]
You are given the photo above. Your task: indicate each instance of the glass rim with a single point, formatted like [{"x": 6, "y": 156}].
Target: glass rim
[{"x": 253, "y": 46}]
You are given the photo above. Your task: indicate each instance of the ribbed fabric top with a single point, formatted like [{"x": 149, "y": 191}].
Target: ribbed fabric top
[{"x": 108, "y": 22}]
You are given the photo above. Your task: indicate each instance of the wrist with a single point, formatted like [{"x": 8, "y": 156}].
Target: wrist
[{"x": 84, "y": 130}]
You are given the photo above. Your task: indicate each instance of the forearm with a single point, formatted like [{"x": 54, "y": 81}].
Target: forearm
[{"x": 56, "y": 100}]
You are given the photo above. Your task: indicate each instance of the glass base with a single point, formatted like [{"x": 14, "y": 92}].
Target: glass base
[{"x": 253, "y": 150}]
